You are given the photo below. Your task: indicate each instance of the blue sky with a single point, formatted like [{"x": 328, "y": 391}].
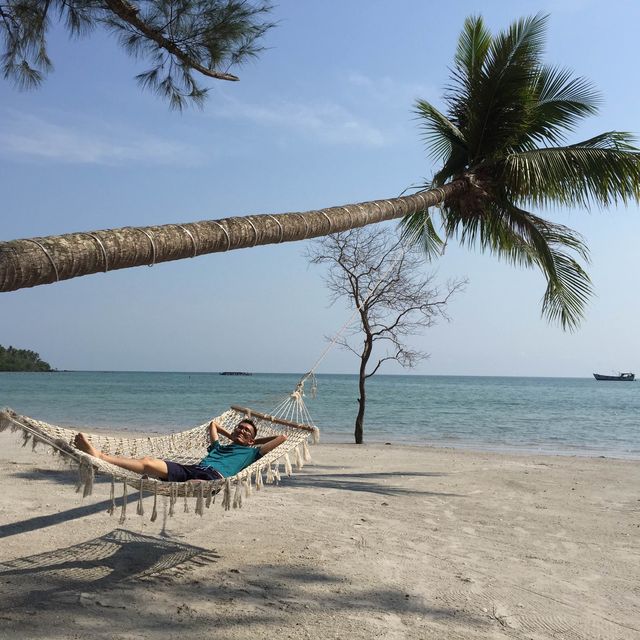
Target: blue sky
[{"x": 324, "y": 117}]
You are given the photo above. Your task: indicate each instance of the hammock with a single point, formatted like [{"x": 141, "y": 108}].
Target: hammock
[{"x": 186, "y": 447}]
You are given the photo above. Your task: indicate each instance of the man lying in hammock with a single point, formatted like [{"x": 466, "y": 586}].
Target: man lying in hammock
[{"x": 221, "y": 461}]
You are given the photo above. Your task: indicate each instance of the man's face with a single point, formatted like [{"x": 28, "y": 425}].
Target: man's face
[{"x": 243, "y": 434}]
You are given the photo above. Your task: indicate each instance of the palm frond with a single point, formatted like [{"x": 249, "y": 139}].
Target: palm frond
[
  {"x": 550, "y": 247},
  {"x": 518, "y": 48},
  {"x": 566, "y": 295},
  {"x": 456, "y": 164},
  {"x": 418, "y": 229},
  {"x": 502, "y": 98},
  {"x": 473, "y": 45},
  {"x": 602, "y": 171},
  {"x": 524, "y": 239},
  {"x": 618, "y": 140},
  {"x": 562, "y": 101},
  {"x": 440, "y": 134}
]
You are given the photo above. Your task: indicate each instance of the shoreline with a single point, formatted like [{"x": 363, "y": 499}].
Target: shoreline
[
  {"x": 477, "y": 448},
  {"x": 480, "y": 448}
]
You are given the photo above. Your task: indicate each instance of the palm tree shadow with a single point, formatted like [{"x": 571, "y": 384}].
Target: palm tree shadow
[
  {"x": 375, "y": 482},
  {"x": 62, "y": 476},
  {"x": 49, "y": 520},
  {"x": 118, "y": 558}
]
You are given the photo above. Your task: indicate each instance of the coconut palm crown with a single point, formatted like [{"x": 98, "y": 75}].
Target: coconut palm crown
[{"x": 504, "y": 132}]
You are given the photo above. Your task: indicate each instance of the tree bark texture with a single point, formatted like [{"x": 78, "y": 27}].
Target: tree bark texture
[
  {"x": 35, "y": 261},
  {"x": 362, "y": 379}
]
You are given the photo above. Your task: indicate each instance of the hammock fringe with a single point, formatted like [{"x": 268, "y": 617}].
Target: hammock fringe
[
  {"x": 200, "y": 500},
  {"x": 140, "y": 509},
  {"x": 154, "y": 512},
  {"x": 112, "y": 497},
  {"x": 87, "y": 474},
  {"x": 173, "y": 497},
  {"x": 299, "y": 461},
  {"x": 287, "y": 465},
  {"x": 211, "y": 494},
  {"x": 226, "y": 500},
  {"x": 186, "y": 495},
  {"x": 123, "y": 511},
  {"x": 237, "y": 495}
]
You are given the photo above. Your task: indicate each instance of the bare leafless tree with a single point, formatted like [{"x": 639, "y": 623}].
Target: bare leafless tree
[{"x": 385, "y": 281}]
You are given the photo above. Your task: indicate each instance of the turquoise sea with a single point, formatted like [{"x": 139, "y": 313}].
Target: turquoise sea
[{"x": 553, "y": 415}]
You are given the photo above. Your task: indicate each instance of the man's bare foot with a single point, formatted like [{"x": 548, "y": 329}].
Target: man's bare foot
[{"x": 84, "y": 445}]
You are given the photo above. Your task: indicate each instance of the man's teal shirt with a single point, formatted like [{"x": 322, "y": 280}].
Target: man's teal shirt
[{"x": 228, "y": 459}]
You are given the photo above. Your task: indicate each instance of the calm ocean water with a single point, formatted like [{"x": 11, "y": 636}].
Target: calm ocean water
[{"x": 556, "y": 415}]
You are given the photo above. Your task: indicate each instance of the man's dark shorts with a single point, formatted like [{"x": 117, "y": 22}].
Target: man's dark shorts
[{"x": 185, "y": 472}]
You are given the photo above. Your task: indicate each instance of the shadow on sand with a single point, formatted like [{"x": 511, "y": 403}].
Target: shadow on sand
[
  {"x": 40, "y": 522},
  {"x": 135, "y": 583},
  {"x": 100, "y": 564},
  {"x": 378, "y": 483}
]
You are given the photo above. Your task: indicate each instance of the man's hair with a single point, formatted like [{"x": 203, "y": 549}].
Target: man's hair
[{"x": 252, "y": 423}]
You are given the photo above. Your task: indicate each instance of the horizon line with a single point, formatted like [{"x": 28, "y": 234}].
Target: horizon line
[{"x": 292, "y": 373}]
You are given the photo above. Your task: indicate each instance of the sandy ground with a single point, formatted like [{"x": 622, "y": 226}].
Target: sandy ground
[{"x": 365, "y": 542}]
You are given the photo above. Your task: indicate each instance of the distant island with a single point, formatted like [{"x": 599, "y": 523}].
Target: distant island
[{"x": 12, "y": 359}]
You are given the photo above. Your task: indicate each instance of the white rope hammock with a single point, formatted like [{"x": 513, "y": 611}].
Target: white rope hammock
[{"x": 185, "y": 447}]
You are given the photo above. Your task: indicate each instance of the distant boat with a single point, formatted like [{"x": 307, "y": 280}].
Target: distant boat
[
  {"x": 235, "y": 373},
  {"x": 623, "y": 377}
]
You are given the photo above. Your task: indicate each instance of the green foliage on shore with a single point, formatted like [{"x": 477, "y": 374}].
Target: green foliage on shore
[{"x": 12, "y": 359}]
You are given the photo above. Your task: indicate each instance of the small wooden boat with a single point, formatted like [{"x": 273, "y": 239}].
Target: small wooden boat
[{"x": 623, "y": 377}]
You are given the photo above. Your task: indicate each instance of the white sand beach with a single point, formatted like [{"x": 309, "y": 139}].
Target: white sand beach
[{"x": 372, "y": 541}]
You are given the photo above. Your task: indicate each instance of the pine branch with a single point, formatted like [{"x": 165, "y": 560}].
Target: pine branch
[{"x": 127, "y": 12}]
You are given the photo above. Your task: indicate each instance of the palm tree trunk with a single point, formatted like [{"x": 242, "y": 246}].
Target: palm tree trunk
[{"x": 34, "y": 261}]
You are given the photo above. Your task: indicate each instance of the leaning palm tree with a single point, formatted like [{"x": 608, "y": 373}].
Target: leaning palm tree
[
  {"x": 501, "y": 144},
  {"x": 504, "y": 133}
]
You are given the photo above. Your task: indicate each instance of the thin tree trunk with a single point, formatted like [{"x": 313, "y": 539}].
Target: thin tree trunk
[
  {"x": 34, "y": 261},
  {"x": 362, "y": 378}
]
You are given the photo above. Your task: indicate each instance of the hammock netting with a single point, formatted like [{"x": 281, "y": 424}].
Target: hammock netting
[{"x": 186, "y": 447}]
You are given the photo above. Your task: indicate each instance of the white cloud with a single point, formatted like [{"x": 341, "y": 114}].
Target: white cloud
[
  {"x": 84, "y": 141},
  {"x": 364, "y": 112},
  {"x": 328, "y": 123},
  {"x": 386, "y": 90}
]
